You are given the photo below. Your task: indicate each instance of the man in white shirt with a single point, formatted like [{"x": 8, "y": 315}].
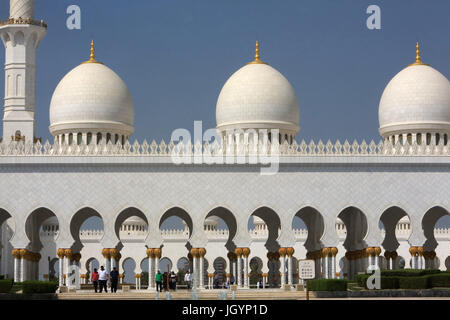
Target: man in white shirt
[
  {"x": 102, "y": 278},
  {"x": 187, "y": 279}
]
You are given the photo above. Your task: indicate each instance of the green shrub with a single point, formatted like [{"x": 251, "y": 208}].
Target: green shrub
[
  {"x": 408, "y": 272},
  {"x": 439, "y": 280},
  {"x": 2, "y": 277},
  {"x": 390, "y": 282},
  {"x": 328, "y": 285},
  {"x": 6, "y": 285},
  {"x": 39, "y": 287},
  {"x": 361, "y": 279},
  {"x": 385, "y": 282},
  {"x": 413, "y": 282}
]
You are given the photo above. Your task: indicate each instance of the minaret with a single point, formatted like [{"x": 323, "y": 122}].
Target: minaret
[{"x": 21, "y": 36}]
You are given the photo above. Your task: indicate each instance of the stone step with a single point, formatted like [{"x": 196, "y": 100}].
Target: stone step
[{"x": 187, "y": 295}]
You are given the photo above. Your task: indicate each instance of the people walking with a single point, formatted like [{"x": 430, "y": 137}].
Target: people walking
[
  {"x": 165, "y": 276},
  {"x": 94, "y": 279},
  {"x": 102, "y": 279},
  {"x": 114, "y": 275},
  {"x": 187, "y": 279},
  {"x": 173, "y": 281},
  {"x": 159, "y": 279}
]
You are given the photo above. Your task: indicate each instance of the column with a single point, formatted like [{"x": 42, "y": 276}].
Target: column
[
  {"x": 264, "y": 279},
  {"x": 246, "y": 253},
  {"x": 325, "y": 262},
  {"x": 16, "y": 255},
  {"x": 60, "y": 253},
  {"x": 420, "y": 256},
  {"x": 107, "y": 255},
  {"x": 201, "y": 253},
  {"x": 231, "y": 257},
  {"x": 157, "y": 253},
  {"x": 334, "y": 252},
  {"x": 377, "y": 251},
  {"x": 114, "y": 253},
  {"x": 394, "y": 256},
  {"x": 67, "y": 258},
  {"x": 282, "y": 252},
  {"x": 194, "y": 253},
  {"x": 290, "y": 252},
  {"x": 413, "y": 252},
  {"x": 238, "y": 253},
  {"x": 151, "y": 268},
  {"x": 23, "y": 269}
]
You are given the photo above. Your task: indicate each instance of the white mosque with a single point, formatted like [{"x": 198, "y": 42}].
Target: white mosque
[{"x": 241, "y": 196}]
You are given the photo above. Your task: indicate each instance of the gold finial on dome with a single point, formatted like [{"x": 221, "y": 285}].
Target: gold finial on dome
[
  {"x": 418, "y": 60},
  {"x": 257, "y": 60},
  {"x": 92, "y": 56}
]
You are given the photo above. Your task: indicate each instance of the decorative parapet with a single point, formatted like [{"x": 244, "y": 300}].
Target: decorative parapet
[
  {"x": 213, "y": 150},
  {"x": 23, "y": 21}
]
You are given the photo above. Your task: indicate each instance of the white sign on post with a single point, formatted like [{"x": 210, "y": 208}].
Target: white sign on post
[{"x": 306, "y": 269}]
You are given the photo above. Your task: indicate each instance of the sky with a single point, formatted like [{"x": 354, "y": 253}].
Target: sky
[{"x": 175, "y": 55}]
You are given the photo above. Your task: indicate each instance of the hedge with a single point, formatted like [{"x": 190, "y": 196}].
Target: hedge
[
  {"x": 6, "y": 285},
  {"x": 328, "y": 285},
  {"x": 39, "y": 287},
  {"x": 409, "y": 280},
  {"x": 408, "y": 272},
  {"x": 439, "y": 280},
  {"x": 413, "y": 282}
]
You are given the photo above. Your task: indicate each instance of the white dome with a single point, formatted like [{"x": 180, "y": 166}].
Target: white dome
[
  {"x": 53, "y": 220},
  {"x": 257, "y": 96},
  {"x": 135, "y": 220},
  {"x": 404, "y": 219},
  {"x": 91, "y": 98},
  {"x": 416, "y": 100},
  {"x": 212, "y": 220},
  {"x": 258, "y": 221}
]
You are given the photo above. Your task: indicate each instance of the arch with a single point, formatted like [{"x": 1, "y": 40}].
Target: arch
[
  {"x": 356, "y": 227},
  {"x": 429, "y": 220},
  {"x": 4, "y": 216},
  {"x": 255, "y": 268},
  {"x": 390, "y": 219},
  {"x": 164, "y": 263},
  {"x": 180, "y": 213},
  {"x": 91, "y": 264},
  {"x": 33, "y": 225},
  {"x": 273, "y": 224},
  {"x": 315, "y": 225},
  {"x": 129, "y": 270},
  {"x": 124, "y": 215},
  {"x": 77, "y": 221},
  {"x": 183, "y": 264},
  {"x": 19, "y": 38},
  {"x": 219, "y": 265},
  {"x": 230, "y": 220},
  {"x": 53, "y": 269},
  {"x": 401, "y": 262}
]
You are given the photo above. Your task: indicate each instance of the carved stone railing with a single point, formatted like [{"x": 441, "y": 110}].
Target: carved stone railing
[
  {"x": 24, "y": 21},
  {"x": 263, "y": 233},
  {"x": 179, "y": 149}
]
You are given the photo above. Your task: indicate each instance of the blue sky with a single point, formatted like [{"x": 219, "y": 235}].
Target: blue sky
[{"x": 175, "y": 55}]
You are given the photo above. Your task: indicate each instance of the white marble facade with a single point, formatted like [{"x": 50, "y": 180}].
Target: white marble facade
[{"x": 361, "y": 203}]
